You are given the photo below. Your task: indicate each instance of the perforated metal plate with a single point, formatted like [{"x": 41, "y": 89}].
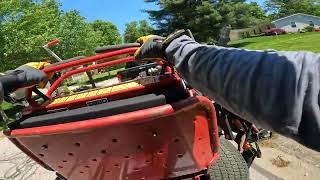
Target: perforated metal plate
[{"x": 149, "y": 144}]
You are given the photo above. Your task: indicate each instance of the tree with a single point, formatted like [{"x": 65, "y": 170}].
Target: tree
[
  {"x": 108, "y": 33},
  {"x": 173, "y": 14},
  {"x": 247, "y": 15},
  {"x": 282, "y": 8},
  {"x": 205, "y": 18},
  {"x": 144, "y": 28},
  {"x": 26, "y": 27},
  {"x": 131, "y": 33},
  {"x": 8, "y": 10},
  {"x": 134, "y": 30},
  {"x": 78, "y": 37}
]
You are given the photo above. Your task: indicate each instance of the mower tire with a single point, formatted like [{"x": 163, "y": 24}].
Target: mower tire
[{"x": 230, "y": 165}]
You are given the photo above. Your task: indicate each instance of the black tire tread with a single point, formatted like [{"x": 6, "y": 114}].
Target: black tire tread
[{"x": 231, "y": 165}]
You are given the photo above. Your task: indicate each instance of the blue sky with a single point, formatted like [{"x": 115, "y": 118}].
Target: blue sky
[{"x": 119, "y": 12}]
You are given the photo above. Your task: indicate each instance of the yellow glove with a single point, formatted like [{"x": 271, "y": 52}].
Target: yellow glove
[
  {"x": 41, "y": 65},
  {"x": 38, "y": 65},
  {"x": 151, "y": 48},
  {"x": 144, "y": 39}
]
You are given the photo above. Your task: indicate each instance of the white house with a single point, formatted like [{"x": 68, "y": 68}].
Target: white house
[{"x": 297, "y": 22}]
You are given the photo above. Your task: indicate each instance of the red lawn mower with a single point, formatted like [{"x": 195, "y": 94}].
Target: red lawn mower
[{"x": 147, "y": 125}]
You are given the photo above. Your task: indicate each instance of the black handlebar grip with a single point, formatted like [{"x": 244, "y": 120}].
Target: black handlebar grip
[
  {"x": 23, "y": 76},
  {"x": 110, "y": 48},
  {"x": 190, "y": 34},
  {"x": 10, "y": 81}
]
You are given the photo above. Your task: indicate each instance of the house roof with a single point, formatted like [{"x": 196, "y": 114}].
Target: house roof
[{"x": 294, "y": 15}]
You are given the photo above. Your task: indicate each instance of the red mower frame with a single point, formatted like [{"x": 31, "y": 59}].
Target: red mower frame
[{"x": 172, "y": 141}]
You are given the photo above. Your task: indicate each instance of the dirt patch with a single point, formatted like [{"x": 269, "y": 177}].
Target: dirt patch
[
  {"x": 296, "y": 149},
  {"x": 270, "y": 143},
  {"x": 280, "y": 162},
  {"x": 292, "y": 147},
  {"x": 296, "y": 169}
]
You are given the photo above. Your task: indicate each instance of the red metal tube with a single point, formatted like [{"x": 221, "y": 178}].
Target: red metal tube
[
  {"x": 88, "y": 60},
  {"x": 213, "y": 120},
  {"x": 56, "y": 41},
  {"x": 85, "y": 69}
]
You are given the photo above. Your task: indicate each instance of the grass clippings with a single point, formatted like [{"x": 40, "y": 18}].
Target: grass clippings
[{"x": 280, "y": 162}]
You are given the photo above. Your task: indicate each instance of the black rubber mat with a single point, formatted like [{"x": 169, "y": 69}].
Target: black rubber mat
[{"x": 93, "y": 112}]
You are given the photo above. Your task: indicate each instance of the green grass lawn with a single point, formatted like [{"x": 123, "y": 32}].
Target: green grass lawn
[
  {"x": 96, "y": 78},
  {"x": 288, "y": 42},
  {"x": 106, "y": 75},
  {"x": 6, "y": 106},
  {"x": 10, "y": 110}
]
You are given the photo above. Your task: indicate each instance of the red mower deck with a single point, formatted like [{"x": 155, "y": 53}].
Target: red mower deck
[{"x": 175, "y": 140}]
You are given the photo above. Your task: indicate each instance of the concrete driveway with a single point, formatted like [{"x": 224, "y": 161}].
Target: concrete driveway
[{"x": 14, "y": 165}]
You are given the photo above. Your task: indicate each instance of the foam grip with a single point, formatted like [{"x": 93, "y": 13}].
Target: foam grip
[{"x": 10, "y": 82}]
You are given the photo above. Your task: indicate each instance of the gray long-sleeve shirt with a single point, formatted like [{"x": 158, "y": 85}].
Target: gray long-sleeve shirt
[{"x": 277, "y": 90}]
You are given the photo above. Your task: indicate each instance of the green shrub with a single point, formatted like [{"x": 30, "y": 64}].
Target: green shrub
[
  {"x": 308, "y": 29},
  {"x": 257, "y": 35}
]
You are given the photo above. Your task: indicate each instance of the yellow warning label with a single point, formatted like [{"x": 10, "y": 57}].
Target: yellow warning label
[{"x": 106, "y": 90}]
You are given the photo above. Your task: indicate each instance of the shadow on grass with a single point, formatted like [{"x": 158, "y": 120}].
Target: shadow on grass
[{"x": 240, "y": 44}]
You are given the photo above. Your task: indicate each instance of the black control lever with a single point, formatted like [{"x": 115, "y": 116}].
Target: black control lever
[{"x": 190, "y": 34}]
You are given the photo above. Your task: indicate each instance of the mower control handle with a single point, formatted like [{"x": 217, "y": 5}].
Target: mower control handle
[
  {"x": 46, "y": 47},
  {"x": 111, "y": 48},
  {"x": 10, "y": 82},
  {"x": 56, "y": 41}
]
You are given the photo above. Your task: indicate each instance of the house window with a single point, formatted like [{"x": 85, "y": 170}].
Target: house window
[
  {"x": 311, "y": 23},
  {"x": 293, "y": 24}
]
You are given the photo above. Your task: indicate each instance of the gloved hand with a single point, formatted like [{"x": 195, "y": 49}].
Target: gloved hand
[
  {"x": 153, "y": 47},
  {"x": 33, "y": 74},
  {"x": 40, "y": 66},
  {"x": 24, "y": 76}
]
